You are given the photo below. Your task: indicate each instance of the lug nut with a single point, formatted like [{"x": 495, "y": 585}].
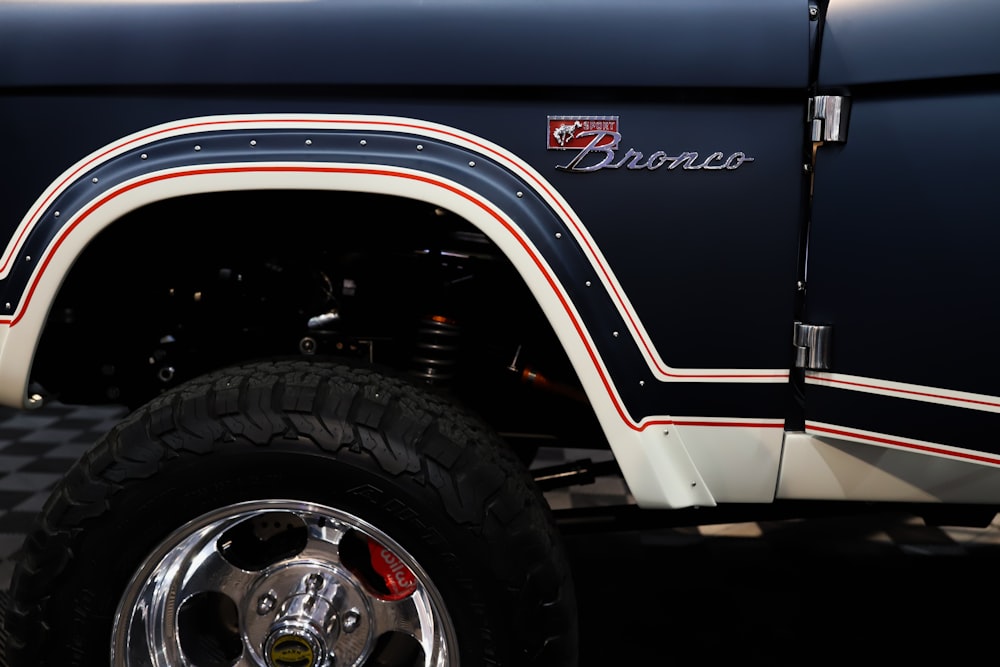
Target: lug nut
[
  {"x": 314, "y": 582},
  {"x": 266, "y": 603},
  {"x": 350, "y": 621}
]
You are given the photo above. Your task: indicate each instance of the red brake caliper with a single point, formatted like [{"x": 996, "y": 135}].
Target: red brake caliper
[{"x": 398, "y": 578}]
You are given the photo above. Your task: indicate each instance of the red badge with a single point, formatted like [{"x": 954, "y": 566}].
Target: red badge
[{"x": 576, "y": 132}]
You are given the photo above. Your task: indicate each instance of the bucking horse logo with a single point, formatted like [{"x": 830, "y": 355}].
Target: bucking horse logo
[{"x": 565, "y": 133}]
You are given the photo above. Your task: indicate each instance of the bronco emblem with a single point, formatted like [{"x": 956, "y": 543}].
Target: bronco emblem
[
  {"x": 563, "y": 134},
  {"x": 602, "y": 156},
  {"x": 596, "y": 140},
  {"x": 567, "y": 132}
]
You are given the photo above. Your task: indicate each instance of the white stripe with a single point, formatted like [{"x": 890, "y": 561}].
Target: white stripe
[
  {"x": 818, "y": 466},
  {"x": 910, "y": 392},
  {"x": 824, "y": 430},
  {"x": 658, "y": 368},
  {"x": 657, "y": 466}
]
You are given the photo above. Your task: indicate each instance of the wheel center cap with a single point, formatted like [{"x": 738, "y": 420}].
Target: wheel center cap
[
  {"x": 307, "y": 613},
  {"x": 307, "y": 624},
  {"x": 293, "y": 648}
]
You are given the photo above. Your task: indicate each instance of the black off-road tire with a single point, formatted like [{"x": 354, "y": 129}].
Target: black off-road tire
[{"x": 431, "y": 477}]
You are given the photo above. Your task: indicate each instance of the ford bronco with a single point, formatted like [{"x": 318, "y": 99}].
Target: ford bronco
[{"x": 351, "y": 263}]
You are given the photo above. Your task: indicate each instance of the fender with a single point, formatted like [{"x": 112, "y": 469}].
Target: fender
[{"x": 625, "y": 377}]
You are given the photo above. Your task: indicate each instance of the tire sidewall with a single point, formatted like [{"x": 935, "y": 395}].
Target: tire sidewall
[{"x": 144, "y": 515}]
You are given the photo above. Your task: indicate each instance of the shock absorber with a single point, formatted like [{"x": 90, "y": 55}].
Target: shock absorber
[{"x": 436, "y": 349}]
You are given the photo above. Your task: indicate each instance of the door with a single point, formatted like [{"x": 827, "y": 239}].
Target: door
[{"x": 902, "y": 248}]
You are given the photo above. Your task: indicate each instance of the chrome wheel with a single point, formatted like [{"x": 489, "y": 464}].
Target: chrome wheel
[
  {"x": 403, "y": 533},
  {"x": 281, "y": 583}
]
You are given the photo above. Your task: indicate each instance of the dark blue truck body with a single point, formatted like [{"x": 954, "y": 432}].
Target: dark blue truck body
[{"x": 754, "y": 242}]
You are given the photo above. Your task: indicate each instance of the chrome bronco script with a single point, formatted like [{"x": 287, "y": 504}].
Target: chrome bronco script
[{"x": 600, "y": 153}]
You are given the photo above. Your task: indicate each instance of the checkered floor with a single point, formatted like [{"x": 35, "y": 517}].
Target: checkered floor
[
  {"x": 747, "y": 592},
  {"x": 37, "y": 447}
]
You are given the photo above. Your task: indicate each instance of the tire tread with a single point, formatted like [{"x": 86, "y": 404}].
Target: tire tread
[{"x": 477, "y": 479}]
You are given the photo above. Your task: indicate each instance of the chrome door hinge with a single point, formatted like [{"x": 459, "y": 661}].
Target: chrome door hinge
[
  {"x": 812, "y": 346},
  {"x": 828, "y": 116}
]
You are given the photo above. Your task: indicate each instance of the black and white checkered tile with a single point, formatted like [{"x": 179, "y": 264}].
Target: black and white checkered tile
[
  {"x": 756, "y": 593},
  {"x": 37, "y": 447}
]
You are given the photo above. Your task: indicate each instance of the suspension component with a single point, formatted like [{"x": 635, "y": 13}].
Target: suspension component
[
  {"x": 398, "y": 578},
  {"x": 436, "y": 351}
]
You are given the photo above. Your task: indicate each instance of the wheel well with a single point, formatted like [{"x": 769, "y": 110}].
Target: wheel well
[{"x": 188, "y": 285}]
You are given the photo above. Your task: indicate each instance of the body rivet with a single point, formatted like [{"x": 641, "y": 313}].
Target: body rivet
[
  {"x": 587, "y": 283},
  {"x": 309, "y": 142},
  {"x": 471, "y": 163},
  {"x": 558, "y": 235},
  {"x": 420, "y": 147},
  {"x": 57, "y": 214},
  {"x": 27, "y": 258},
  {"x": 253, "y": 142},
  {"x": 94, "y": 179},
  {"x": 520, "y": 195},
  {"x": 615, "y": 334},
  {"x": 197, "y": 148},
  {"x": 143, "y": 157},
  {"x": 364, "y": 143},
  {"x": 642, "y": 383}
]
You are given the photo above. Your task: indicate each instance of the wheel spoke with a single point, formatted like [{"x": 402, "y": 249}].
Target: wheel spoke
[
  {"x": 412, "y": 616},
  {"x": 195, "y": 581},
  {"x": 209, "y": 571},
  {"x": 245, "y": 661},
  {"x": 323, "y": 544},
  {"x": 282, "y": 573}
]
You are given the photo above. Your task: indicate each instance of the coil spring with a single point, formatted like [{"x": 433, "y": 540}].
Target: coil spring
[{"x": 436, "y": 350}]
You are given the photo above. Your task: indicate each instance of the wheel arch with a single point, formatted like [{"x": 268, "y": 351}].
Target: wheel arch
[
  {"x": 216, "y": 155},
  {"x": 496, "y": 192}
]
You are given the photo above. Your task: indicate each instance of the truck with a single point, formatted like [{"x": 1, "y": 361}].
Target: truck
[{"x": 350, "y": 264}]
